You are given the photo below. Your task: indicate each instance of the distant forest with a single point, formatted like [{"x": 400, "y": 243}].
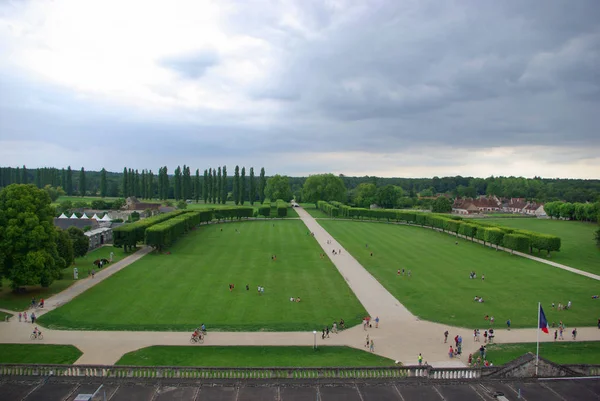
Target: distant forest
[{"x": 539, "y": 189}]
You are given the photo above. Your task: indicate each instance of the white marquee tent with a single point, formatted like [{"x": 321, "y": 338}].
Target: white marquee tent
[
  {"x": 63, "y": 216},
  {"x": 73, "y": 216}
]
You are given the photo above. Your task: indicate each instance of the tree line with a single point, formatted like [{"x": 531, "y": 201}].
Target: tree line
[{"x": 388, "y": 192}]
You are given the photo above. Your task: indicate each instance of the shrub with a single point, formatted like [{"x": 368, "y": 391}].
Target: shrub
[
  {"x": 494, "y": 236},
  {"x": 516, "y": 242}
]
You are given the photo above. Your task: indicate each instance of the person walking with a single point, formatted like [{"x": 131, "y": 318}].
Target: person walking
[
  {"x": 560, "y": 332},
  {"x": 446, "y": 336},
  {"x": 25, "y": 317},
  {"x": 327, "y": 332},
  {"x": 456, "y": 341},
  {"x": 33, "y": 317},
  {"x": 364, "y": 322},
  {"x": 555, "y": 334},
  {"x": 377, "y": 322},
  {"x": 372, "y": 348},
  {"x": 420, "y": 359},
  {"x": 323, "y": 335},
  {"x": 367, "y": 341},
  {"x": 20, "y": 316},
  {"x": 334, "y": 328},
  {"x": 574, "y": 333},
  {"x": 508, "y": 324}
]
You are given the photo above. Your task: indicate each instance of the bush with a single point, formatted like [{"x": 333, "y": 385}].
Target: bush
[
  {"x": 494, "y": 236},
  {"x": 516, "y": 242},
  {"x": 264, "y": 211},
  {"x": 181, "y": 205}
]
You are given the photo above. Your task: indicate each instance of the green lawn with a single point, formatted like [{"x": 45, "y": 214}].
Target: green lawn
[
  {"x": 17, "y": 302},
  {"x": 558, "y": 352},
  {"x": 311, "y": 209},
  {"x": 578, "y": 248},
  {"x": 39, "y": 353},
  {"x": 325, "y": 356},
  {"x": 201, "y": 205},
  {"x": 181, "y": 290},
  {"x": 3, "y": 316},
  {"x": 440, "y": 289}
]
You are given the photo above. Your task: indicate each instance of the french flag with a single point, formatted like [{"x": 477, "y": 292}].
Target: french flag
[{"x": 543, "y": 321}]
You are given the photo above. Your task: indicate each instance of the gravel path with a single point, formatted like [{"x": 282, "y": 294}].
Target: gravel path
[{"x": 401, "y": 336}]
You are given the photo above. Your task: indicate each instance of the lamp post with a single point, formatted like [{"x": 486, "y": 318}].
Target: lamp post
[{"x": 315, "y": 334}]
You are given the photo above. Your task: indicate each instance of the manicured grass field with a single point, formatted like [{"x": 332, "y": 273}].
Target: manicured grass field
[
  {"x": 190, "y": 286},
  {"x": 440, "y": 289},
  {"x": 19, "y": 302},
  {"x": 578, "y": 248},
  {"x": 325, "y": 356},
  {"x": 201, "y": 205},
  {"x": 311, "y": 209},
  {"x": 558, "y": 352},
  {"x": 39, "y": 353}
]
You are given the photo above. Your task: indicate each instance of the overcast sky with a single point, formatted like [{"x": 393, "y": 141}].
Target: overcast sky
[{"x": 389, "y": 88}]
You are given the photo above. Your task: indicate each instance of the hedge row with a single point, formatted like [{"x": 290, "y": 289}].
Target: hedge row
[
  {"x": 230, "y": 213},
  {"x": 517, "y": 240},
  {"x": 166, "y": 233},
  {"x": 265, "y": 209},
  {"x": 328, "y": 208},
  {"x": 128, "y": 235},
  {"x": 282, "y": 207}
]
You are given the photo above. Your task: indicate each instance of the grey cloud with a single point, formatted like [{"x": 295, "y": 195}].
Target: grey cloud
[{"x": 192, "y": 65}]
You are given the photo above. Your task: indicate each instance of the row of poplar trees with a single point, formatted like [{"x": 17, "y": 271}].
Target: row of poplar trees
[
  {"x": 213, "y": 186},
  {"x": 54, "y": 177}
]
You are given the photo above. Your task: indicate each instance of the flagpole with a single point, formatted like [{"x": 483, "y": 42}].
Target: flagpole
[{"x": 537, "y": 351}]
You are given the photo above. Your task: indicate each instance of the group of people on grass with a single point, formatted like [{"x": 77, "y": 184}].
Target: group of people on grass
[
  {"x": 473, "y": 276},
  {"x": 402, "y": 272},
  {"x": 561, "y": 306},
  {"x": 260, "y": 289}
]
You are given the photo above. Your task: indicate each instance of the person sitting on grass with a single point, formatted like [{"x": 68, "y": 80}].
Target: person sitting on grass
[
  {"x": 480, "y": 300},
  {"x": 298, "y": 299},
  {"x": 476, "y": 299},
  {"x": 292, "y": 299}
]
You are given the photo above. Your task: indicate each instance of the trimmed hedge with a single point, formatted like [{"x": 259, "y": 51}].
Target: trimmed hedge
[
  {"x": 166, "y": 233},
  {"x": 516, "y": 242},
  {"x": 225, "y": 213},
  {"x": 328, "y": 208},
  {"x": 282, "y": 207},
  {"x": 494, "y": 236},
  {"x": 128, "y": 235}
]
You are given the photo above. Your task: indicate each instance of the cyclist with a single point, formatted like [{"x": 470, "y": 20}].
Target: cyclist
[
  {"x": 203, "y": 328},
  {"x": 36, "y": 332},
  {"x": 196, "y": 334}
]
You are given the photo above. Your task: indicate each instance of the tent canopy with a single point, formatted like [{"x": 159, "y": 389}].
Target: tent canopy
[
  {"x": 63, "y": 216},
  {"x": 73, "y": 216}
]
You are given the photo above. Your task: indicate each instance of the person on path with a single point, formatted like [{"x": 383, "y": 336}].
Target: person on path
[
  {"x": 377, "y": 322},
  {"x": 93, "y": 273},
  {"x": 555, "y": 334},
  {"x": 451, "y": 352},
  {"x": 323, "y": 335},
  {"x": 446, "y": 336},
  {"x": 459, "y": 349},
  {"x": 459, "y": 340},
  {"x": 560, "y": 333},
  {"x": 33, "y": 317},
  {"x": 372, "y": 346},
  {"x": 25, "y": 317},
  {"x": 574, "y": 333},
  {"x": 342, "y": 324},
  {"x": 334, "y": 328},
  {"x": 367, "y": 341},
  {"x": 364, "y": 322},
  {"x": 482, "y": 351},
  {"x": 456, "y": 341},
  {"x": 470, "y": 361},
  {"x": 327, "y": 332},
  {"x": 485, "y": 337},
  {"x": 420, "y": 359},
  {"x": 508, "y": 324},
  {"x": 20, "y": 316}
]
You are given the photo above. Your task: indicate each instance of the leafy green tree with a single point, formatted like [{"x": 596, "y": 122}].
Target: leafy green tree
[
  {"x": 182, "y": 204},
  {"x": 243, "y": 186},
  {"x": 224, "y": 186},
  {"x": 81, "y": 242},
  {"x": 82, "y": 183},
  {"x": 441, "y": 205},
  {"x": 53, "y": 193},
  {"x": 64, "y": 246},
  {"x": 597, "y": 237},
  {"x": 236, "y": 185},
  {"x": 69, "y": 187},
  {"x": 325, "y": 187},
  {"x": 252, "y": 192},
  {"x": 28, "y": 249},
  {"x": 365, "y": 194},
  {"x": 262, "y": 185},
  {"x": 387, "y": 196},
  {"x": 278, "y": 187},
  {"x": 118, "y": 203}
]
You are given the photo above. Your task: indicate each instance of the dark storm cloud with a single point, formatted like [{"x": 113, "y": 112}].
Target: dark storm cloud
[
  {"x": 382, "y": 77},
  {"x": 193, "y": 65}
]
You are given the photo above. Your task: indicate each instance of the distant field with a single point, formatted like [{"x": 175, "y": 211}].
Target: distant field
[
  {"x": 19, "y": 302},
  {"x": 558, "y": 352},
  {"x": 578, "y": 247},
  {"x": 440, "y": 289},
  {"x": 39, "y": 353},
  {"x": 234, "y": 356},
  {"x": 189, "y": 286}
]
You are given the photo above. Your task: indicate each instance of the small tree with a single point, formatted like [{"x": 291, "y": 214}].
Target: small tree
[
  {"x": 441, "y": 205},
  {"x": 81, "y": 242},
  {"x": 181, "y": 204},
  {"x": 65, "y": 247}
]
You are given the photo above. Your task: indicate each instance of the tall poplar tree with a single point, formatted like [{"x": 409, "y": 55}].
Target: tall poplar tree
[
  {"x": 262, "y": 183},
  {"x": 205, "y": 187},
  {"x": 224, "y": 192},
  {"x": 177, "y": 187},
  {"x": 219, "y": 185},
  {"x": 252, "y": 191},
  {"x": 210, "y": 185},
  {"x": 82, "y": 182},
  {"x": 243, "y": 186},
  {"x": 125, "y": 177},
  {"x": 236, "y": 185},
  {"x": 103, "y": 182},
  {"x": 63, "y": 179},
  {"x": 24, "y": 176},
  {"x": 69, "y": 187},
  {"x": 197, "y": 187}
]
